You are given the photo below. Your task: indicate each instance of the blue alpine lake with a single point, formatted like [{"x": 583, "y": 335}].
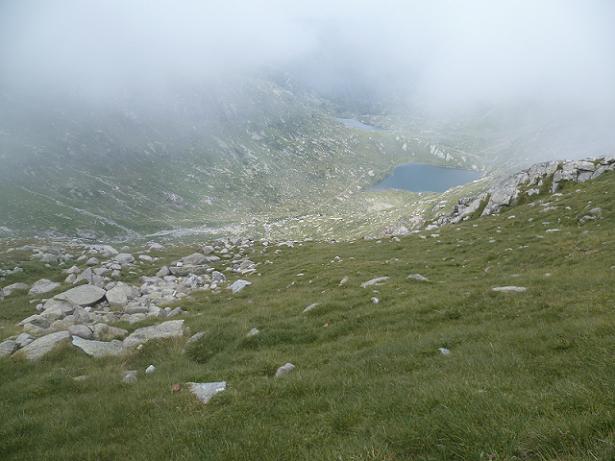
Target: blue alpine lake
[{"x": 416, "y": 177}]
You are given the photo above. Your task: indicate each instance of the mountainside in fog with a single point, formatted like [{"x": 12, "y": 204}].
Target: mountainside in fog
[{"x": 244, "y": 155}]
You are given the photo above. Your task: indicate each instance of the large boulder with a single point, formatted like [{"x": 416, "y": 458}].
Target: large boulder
[
  {"x": 43, "y": 286},
  {"x": 45, "y": 344},
  {"x": 84, "y": 295},
  {"x": 169, "y": 329},
  {"x": 98, "y": 348}
]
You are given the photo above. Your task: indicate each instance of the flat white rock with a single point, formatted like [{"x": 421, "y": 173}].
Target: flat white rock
[
  {"x": 205, "y": 391},
  {"x": 509, "y": 289},
  {"x": 375, "y": 281}
]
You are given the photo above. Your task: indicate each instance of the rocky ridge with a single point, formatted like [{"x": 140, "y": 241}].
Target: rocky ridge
[{"x": 541, "y": 178}]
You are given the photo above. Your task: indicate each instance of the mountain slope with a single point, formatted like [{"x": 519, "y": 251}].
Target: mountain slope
[{"x": 528, "y": 375}]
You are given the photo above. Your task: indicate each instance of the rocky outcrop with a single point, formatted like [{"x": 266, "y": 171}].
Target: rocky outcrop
[{"x": 545, "y": 177}]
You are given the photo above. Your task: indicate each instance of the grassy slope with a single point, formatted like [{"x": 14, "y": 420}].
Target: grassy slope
[{"x": 530, "y": 376}]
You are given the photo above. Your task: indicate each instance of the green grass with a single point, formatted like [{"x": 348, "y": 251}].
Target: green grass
[{"x": 529, "y": 377}]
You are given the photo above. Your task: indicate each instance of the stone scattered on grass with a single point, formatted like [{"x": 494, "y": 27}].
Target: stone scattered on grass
[
  {"x": 374, "y": 281},
  {"x": 253, "y": 332},
  {"x": 239, "y": 285},
  {"x": 205, "y": 391},
  {"x": 509, "y": 289},
  {"x": 129, "y": 376},
  {"x": 195, "y": 337},
  {"x": 311, "y": 307},
  {"x": 418, "y": 278},
  {"x": 284, "y": 370},
  {"x": 444, "y": 351},
  {"x": 150, "y": 370}
]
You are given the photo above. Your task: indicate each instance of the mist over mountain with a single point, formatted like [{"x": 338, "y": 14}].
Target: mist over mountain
[{"x": 102, "y": 90}]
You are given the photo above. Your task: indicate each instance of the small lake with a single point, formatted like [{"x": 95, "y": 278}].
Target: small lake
[
  {"x": 416, "y": 177},
  {"x": 357, "y": 124}
]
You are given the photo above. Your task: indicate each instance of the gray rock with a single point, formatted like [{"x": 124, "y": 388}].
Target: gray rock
[
  {"x": 43, "y": 286},
  {"x": 182, "y": 271},
  {"x": 80, "y": 330},
  {"x": 375, "y": 281},
  {"x": 104, "y": 332},
  {"x": 168, "y": 329},
  {"x": 509, "y": 289},
  {"x": 23, "y": 339},
  {"x": 218, "y": 277},
  {"x": 253, "y": 332},
  {"x": 418, "y": 278},
  {"x": 163, "y": 272},
  {"x": 205, "y": 391},
  {"x": 444, "y": 351},
  {"x": 239, "y": 285},
  {"x": 86, "y": 276},
  {"x": 195, "y": 259},
  {"x": 108, "y": 251},
  {"x": 284, "y": 370},
  {"x": 92, "y": 261},
  {"x": 55, "y": 309},
  {"x": 155, "y": 247},
  {"x": 83, "y": 295},
  {"x": 136, "y": 309},
  {"x": 146, "y": 258},
  {"x": 124, "y": 258},
  {"x": 14, "y": 287},
  {"x": 8, "y": 347},
  {"x": 150, "y": 370},
  {"x": 207, "y": 249},
  {"x": 311, "y": 307},
  {"x": 195, "y": 337},
  {"x": 42, "y": 346},
  {"x": 129, "y": 376},
  {"x": 98, "y": 349},
  {"x": 121, "y": 294},
  {"x": 36, "y": 320}
]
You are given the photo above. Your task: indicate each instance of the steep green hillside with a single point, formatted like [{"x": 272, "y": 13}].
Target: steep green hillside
[{"x": 528, "y": 375}]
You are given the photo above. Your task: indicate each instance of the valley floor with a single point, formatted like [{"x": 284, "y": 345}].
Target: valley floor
[{"x": 444, "y": 369}]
